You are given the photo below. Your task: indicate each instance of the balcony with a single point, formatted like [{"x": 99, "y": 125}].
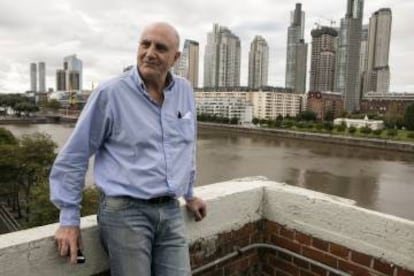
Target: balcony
[{"x": 254, "y": 227}]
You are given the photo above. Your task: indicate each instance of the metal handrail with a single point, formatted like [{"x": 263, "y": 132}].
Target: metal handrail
[{"x": 242, "y": 250}]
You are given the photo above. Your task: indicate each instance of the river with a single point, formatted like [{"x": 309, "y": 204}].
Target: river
[{"x": 376, "y": 179}]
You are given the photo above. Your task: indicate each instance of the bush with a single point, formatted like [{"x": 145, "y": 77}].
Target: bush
[
  {"x": 365, "y": 130},
  {"x": 410, "y": 135},
  {"x": 328, "y": 126},
  {"x": 392, "y": 132},
  {"x": 318, "y": 126},
  {"x": 341, "y": 127},
  {"x": 352, "y": 130},
  {"x": 377, "y": 132}
]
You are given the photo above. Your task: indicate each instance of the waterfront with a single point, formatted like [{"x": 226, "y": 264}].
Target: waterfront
[{"x": 375, "y": 179}]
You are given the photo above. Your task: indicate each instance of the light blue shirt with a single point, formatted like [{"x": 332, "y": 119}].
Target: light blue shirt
[{"x": 142, "y": 149}]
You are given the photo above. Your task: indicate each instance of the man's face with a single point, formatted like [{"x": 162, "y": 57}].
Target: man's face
[{"x": 157, "y": 52}]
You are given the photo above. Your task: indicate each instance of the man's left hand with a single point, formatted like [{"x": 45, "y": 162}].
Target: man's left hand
[{"x": 198, "y": 207}]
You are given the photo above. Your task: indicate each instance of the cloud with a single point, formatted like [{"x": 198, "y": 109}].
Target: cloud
[{"x": 104, "y": 33}]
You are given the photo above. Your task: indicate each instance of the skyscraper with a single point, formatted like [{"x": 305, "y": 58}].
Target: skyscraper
[
  {"x": 347, "y": 75},
  {"x": 42, "y": 77},
  {"x": 222, "y": 58},
  {"x": 60, "y": 80},
  {"x": 73, "y": 67},
  {"x": 258, "y": 62},
  {"x": 297, "y": 50},
  {"x": 322, "y": 74},
  {"x": 363, "y": 56},
  {"x": 377, "y": 77},
  {"x": 187, "y": 65},
  {"x": 33, "y": 77}
]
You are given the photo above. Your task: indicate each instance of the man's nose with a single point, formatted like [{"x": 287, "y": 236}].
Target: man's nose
[{"x": 151, "y": 51}]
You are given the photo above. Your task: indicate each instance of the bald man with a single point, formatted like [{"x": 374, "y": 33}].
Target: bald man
[{"x": 141, "y": 126}]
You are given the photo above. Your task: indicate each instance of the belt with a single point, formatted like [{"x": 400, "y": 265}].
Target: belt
[{"x": 159, "y": 200}]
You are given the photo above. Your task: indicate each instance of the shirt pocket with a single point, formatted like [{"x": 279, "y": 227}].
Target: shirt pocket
[{"x": 185, "y": 129}]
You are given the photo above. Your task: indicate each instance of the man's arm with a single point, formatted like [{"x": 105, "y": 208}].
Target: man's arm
[{"x": 68, "y": 172}]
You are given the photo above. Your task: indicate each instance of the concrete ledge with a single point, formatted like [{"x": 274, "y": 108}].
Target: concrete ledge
[{"x": 231, "y": 205}]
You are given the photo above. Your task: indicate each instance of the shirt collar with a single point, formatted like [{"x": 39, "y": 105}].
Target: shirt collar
[{"x": 136, "y": 77}]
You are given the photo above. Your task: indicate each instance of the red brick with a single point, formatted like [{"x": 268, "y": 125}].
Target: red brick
[
  {"x": 271, "y": 228},
  {"x": 268, "y": 269},
  {"x": 403, "y": 272},
  {"x": 339, "y": 250},
  {"x": 282, "y": 242},
  {"x": 320, "y": 257},
  {"x": 239, "y": 266},
  {"x": 285, "y": 256},
  {"x": 303, "y": 239},
  {"x": 353, "y": 268},
  {"x": 287, "y": 233},
  {"x": 318, "y": 270},
  {"x": 282, "y": 273},
  {"x": 287, "y": 267},
  {"x": 320, "y": 244},
  {"x": 301, "y": 263},
  {"x": 382, "y": 267},
  {"x": 306, "y": 273},
  {"x": 361, "y": 258}
]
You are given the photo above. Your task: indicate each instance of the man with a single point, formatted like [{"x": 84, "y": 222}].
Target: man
[{"x": 141, "y": 126}]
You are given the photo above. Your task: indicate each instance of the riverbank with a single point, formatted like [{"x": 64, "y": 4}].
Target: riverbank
[
  {"x": 317, "y": 137},
  {"x": 50, "y": 119}
]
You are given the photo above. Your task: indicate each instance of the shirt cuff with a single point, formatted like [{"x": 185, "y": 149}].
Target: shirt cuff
[{"x": 69, "y": 217}]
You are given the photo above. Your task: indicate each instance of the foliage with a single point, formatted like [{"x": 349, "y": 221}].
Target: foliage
[
  {"x": 377, "y": 132},
  {"x": 392, "y": 132},
  {"x": 255, "y": 121},
  {"x": 393, "y": 118},
  {"x": 328, "y": 126},
  {"x": 409, "y": 117},
  {"x": 44, "y": 212},
  {"x": 53, "y": 105},
  {"x": 365, "y": 130},
  {"x": 307, "y": 115},
  {"x": 329, "y": 116},
  {"x": 279, "y": 117},
  {"x": 18, "y": 102},
  {"x": 341, "y": 127},
  {"x": 352, "y": 130},
  {"x": 410, "y": 135},
  {"x": 6, "y": 137}
]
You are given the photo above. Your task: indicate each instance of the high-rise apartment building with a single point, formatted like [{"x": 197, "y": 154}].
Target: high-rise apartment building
[
  {"x": 347, "y": 75},
  {"x": 187, "y": 65},
  {"x": 322, "y": 74},
  {"x": 73, "y": 67},
  {"x": 297, "y": 50},
  {"x": 70, "y": 78},
  {"x": 222, "y": 58},
  {"x": 363, "y": 56},
  {"x": 377, "y": 76},
  {"x": 258, "y": 62},
  {"x": 42, "y": 77},
  {"x": 60, "y": 80},
  {"x": 33, "y": 77}
]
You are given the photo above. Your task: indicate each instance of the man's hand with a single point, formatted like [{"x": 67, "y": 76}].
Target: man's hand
[
  {"x": 68, "y": 239},
  {"x": 198, "y": 207}
]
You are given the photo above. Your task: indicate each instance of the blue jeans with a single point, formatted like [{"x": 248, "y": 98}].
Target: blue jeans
[{"x": 143, "y": 239}]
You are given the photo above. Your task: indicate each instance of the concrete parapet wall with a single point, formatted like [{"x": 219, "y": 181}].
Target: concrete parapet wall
[{"x": 231, "y": 206}]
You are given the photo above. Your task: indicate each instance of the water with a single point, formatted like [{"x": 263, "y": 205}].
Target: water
[{"x": 375, "y": 179}]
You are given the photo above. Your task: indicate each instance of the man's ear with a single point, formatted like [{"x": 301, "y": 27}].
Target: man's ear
[{"x": 177, "y": 56}]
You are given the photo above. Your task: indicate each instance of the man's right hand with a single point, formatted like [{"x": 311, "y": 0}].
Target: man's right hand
[{"x": 68, "y": 239}]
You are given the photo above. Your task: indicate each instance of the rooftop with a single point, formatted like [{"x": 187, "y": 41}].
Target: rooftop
[{"x": 324, "y": 229}]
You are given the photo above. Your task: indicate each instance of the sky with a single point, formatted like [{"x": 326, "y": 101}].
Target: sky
[{"x": 104, "y": 34}]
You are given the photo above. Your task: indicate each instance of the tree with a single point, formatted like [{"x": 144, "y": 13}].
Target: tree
[
  {"x": 255, "y": 121},
  {"x": 53, "y": 105},
  {"x": 393, "y": 118},
  {"x": 37, "y": 153},
  {"x": 409, "y": 117},
  {"x": 329, "y": 115},
  {"x": 307, "y": 115}
]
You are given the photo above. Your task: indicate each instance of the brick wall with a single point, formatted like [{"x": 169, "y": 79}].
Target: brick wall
[{"x": 269, "y": 262}]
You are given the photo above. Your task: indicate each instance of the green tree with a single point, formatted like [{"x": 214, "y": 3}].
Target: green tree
[
  {"x": 307, "y": 115},
  {"x": 255, "y": 121},
  {"x": 329, "y": 116},
  {"x": 393, "y": 118},
  {"x": 53, "y": 105},
  {"x": 409, "y": 117},
  {"x": 37, "y": 153}
]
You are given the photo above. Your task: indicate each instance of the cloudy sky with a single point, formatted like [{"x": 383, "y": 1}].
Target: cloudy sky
[{"x": 104, "y": 33}]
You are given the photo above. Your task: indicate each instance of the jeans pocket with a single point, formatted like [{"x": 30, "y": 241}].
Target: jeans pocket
[{"x": 113, "y": 204}]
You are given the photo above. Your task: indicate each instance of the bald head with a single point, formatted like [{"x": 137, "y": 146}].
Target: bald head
[
  {"x": 165, "y": 28},
  {"x": 157, "y": 52}
]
